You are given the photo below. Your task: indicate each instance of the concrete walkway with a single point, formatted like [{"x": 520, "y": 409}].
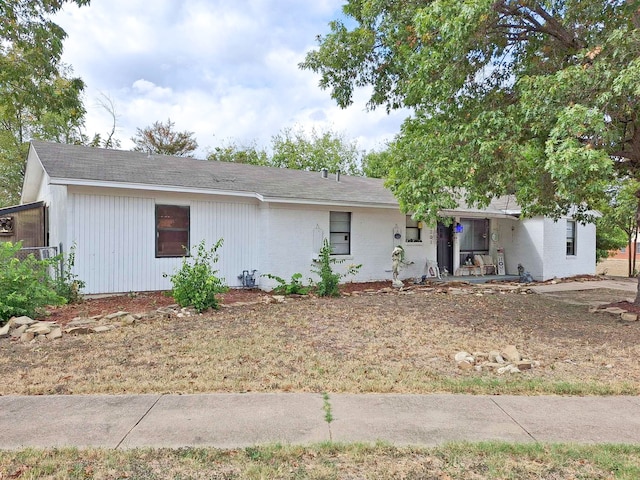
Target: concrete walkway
[
  {"x": 618, "y": 283},
  {"x": 240, "y": 420}
]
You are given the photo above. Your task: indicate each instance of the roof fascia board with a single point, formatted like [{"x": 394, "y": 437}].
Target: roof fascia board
[
  {"x": 145, "y": 187},
  {"x": 232, "y": 193},
  {"x": 476, "y": 214},
  {"x": 302, "y": 201},
  {"x": 30, "y": 184},
  {"x": 20, "y": 208}
]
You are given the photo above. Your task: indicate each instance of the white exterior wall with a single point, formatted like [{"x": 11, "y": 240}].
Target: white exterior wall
[
  {"x": 539, "y": 245},
  {"x": 556, "y": 261},
  {"x": 288, "y": 233},
  {"x": 115, "y": 239},
  {"x": 523, "y": 243}
]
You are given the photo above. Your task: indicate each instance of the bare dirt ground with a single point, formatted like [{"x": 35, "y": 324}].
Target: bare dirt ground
[{"x": 365, "y": 341}]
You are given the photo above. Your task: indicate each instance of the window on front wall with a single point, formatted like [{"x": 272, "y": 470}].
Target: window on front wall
[
  {"x": 474, "y": 236},
  {"x": 172, "y": 231},
  {"x": 340, "y": 233},
  {"x": 571, "y": 237},
  {"x": 413, "y": 230}
]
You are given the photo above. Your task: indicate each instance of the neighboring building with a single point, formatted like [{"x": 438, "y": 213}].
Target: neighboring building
[
  {"x": 617, "y": 263},
  {"x": 130, "y": 215}
]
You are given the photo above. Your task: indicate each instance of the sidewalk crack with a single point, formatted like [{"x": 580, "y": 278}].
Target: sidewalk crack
[
  {"x": 138, "y": 422},
  {"x": 514, "y": 420},
  {"x": 328, "y": 414}
]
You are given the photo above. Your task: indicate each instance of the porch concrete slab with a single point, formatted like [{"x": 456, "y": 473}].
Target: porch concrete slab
[
  {"x": 576, "y": 419},
  {"x": 421, "y": 419},
  {"x": 231, "y": 421},
  {"x": 70, "y": 420},
  {"x": 627, "y": 285}
]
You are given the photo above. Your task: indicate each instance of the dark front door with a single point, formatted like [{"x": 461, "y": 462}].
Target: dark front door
[{"x": 445, "y": 247}]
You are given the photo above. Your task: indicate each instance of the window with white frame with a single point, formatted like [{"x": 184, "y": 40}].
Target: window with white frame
[
  {"x": 340, "y": 233},
  {"x": 413, "y": 230},
  {"x": 571, "y": 237},
  {"x": 172, "y": 231}
]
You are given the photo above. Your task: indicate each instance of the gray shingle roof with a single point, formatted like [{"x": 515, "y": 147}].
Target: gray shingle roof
[{"x": 74, "y": 163}]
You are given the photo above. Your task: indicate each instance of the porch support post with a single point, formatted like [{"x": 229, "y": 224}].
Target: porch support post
[{"x": 456, "y": 247}]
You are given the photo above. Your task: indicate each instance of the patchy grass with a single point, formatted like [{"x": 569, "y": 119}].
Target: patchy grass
[
  {"x": 330, "y": 460},
  {"x": 370, "y": 343}
]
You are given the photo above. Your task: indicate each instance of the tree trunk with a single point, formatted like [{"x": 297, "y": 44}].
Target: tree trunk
[
  {"x": 629, "y": 268},
  {"x": 635, "y": 252},
  {"x": 637, "y": 300}
]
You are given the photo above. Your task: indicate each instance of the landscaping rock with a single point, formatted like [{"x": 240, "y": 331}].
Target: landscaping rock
[
  {"x": 39, "y": 329},
  {"x": 615, "y": 310},
  {"x": 510, "y": 354},
  {"x": 524, "y": 365},
  {"x": 22, "y": 321},
  {"x": 4, "y": 331},
  {"x": 462, "y": 356},
  {"x": 495, "y": 357},
  {"x": 79, "y": 330},
  {"x": 464, "y": 365},
  {"x": 55, "y": 334},
  {"x": 27, "y": 336},
  {"x": 102, "y": 328},
  {"x": 17, "y": 333}
]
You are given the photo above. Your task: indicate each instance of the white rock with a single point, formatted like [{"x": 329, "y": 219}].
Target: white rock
[{"x": 461, "y": 356}]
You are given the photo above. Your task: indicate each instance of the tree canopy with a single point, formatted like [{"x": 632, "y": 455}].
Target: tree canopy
[
  {"x": 38, "y": 96},
  {"x": 161, "y": 138},
  {"x": 235, "y": 153},
  {"x": 539, "y": 99},
  {"x": 296, "y": 149}
]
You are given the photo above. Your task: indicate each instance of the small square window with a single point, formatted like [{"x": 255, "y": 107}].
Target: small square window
[
  {"x": 172, "y": 231},
  {"x": 412, "y": 230}
]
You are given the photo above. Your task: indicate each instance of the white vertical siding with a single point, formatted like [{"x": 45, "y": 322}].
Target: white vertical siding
[
  {"x": 115, "y": 244},
  {"x": 236, "y": 224},
  {"x": 115, "y": 240}
]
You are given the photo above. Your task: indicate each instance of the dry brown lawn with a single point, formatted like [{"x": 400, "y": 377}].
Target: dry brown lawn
[{"x": 401, "y": 343}]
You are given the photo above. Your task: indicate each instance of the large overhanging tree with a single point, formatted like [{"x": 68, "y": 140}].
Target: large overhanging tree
[
  {"x": 38, "y": 98},
  {"x": 539, "y": 99}
]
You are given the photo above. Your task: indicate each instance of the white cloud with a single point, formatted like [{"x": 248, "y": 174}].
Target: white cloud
[{"x": 224, "y": 70}]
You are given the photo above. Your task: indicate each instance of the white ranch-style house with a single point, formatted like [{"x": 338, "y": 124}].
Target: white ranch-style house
[{"x": 130, "y": 215}]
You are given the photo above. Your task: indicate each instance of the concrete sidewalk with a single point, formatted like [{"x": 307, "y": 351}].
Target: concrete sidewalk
[{"x": 240, "y": 420}]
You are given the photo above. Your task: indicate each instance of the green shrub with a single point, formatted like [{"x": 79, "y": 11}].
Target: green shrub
[
  {"x": 66, "y": 283},
  {"x": 295, "y": 287},
  {"x": 25, "y": 285},
  {"x": 195, "y": 284},
  {"x": 329, "y": 280}
]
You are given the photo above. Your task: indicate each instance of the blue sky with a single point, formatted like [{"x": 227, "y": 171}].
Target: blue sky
[{"x": 225, "y": 70}]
